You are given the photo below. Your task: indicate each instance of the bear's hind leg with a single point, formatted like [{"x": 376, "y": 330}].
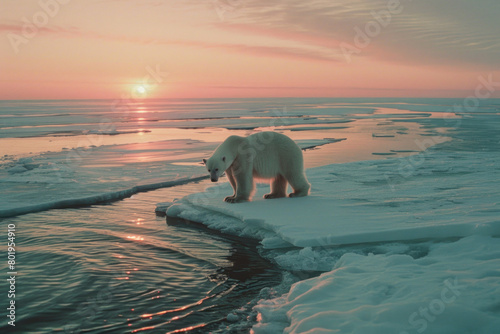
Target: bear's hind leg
[
  {"x": 300, "y": 185},
  {"x": 278, "y": 187}
]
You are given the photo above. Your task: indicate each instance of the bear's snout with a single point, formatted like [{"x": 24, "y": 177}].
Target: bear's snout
[{"x": 213, "y": 180}]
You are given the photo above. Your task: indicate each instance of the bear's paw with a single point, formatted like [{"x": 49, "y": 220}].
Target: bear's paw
[
  {"x": 271, "y": 195},
  {"x": 231, "y": 199}
]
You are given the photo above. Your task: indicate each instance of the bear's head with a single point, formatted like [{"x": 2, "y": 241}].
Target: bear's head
[{"x": 216, "y": 166}]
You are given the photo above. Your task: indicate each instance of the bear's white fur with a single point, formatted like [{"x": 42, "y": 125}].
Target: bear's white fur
[{"x": 264, "y": 155}]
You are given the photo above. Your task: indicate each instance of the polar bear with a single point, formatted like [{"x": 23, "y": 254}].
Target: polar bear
[{"x": 263, "y": 155}]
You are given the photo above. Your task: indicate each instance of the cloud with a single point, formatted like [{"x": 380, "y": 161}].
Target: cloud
[
  {"x": 263, "y": 51},
  {"x": 248, "y": 49},
  {"x": 17, "y": 28},
  {"x": 419, "y": 32},
  {"x": 423, "y": 31}
]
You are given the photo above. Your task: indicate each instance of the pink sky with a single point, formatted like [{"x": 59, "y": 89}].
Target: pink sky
[{"x": 247, "y": 48}]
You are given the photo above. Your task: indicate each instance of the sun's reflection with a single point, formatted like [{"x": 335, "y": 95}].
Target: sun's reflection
[
  {"x": 182, "y": 308},
  {"x": 187, "y": 329},
  {"x": 141, "y": 109},
  {"x": 135, "y": 237},
  {"x": 143, "y": 329}
]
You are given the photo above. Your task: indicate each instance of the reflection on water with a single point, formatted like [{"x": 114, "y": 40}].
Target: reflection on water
[{"x": 118, "y": 268}]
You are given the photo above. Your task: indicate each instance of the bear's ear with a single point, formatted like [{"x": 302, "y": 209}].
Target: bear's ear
[
  {"x": 204, "y": 161},
  {"x": 224, "y": 159}
]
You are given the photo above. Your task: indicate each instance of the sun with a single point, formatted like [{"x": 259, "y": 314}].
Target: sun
[{"x": 140, "y": 90}]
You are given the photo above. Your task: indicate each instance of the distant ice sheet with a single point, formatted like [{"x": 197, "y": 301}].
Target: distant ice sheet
[
  {"x": 98, "y": 198},
  {"x": 82, "y": 177}
]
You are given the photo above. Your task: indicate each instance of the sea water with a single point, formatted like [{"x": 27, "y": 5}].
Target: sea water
[
  {"x": 79, "y": 180},
  {"x": 118, "y": 268}
]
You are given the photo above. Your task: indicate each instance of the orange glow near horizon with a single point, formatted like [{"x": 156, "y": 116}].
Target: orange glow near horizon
[{"x": 137, "y": 50}]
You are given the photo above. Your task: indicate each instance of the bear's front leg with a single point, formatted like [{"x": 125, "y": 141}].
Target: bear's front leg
[{"x": 232, "y": 181}]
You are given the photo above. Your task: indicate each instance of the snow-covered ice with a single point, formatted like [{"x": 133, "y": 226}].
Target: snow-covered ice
[
  {"x": 455, "y": 288},
  {"x": 430, "y": 195}
]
